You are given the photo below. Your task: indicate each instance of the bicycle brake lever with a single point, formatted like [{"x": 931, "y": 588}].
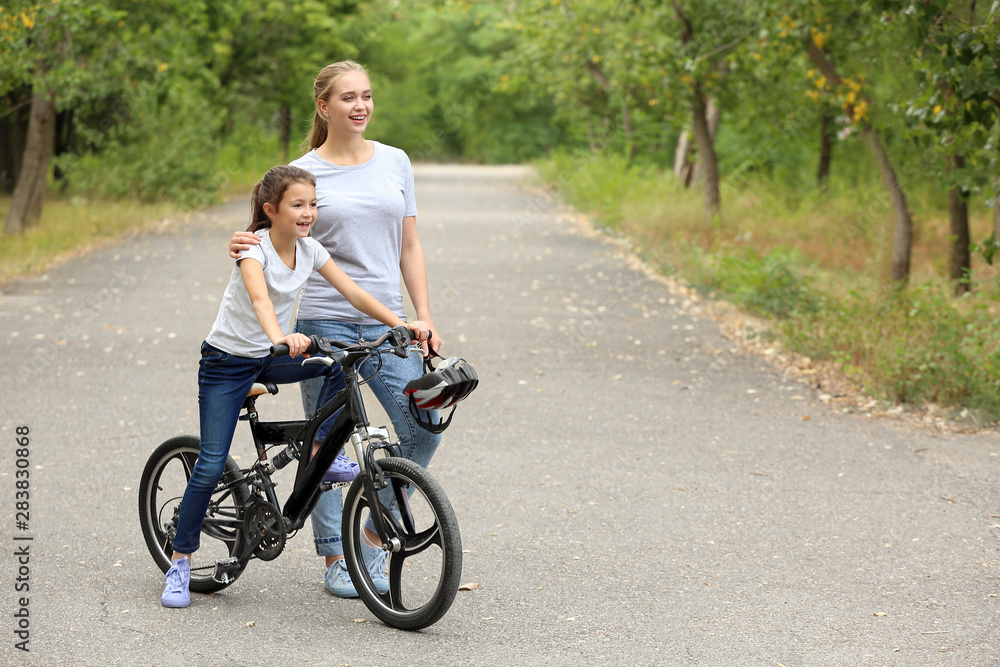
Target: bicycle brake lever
[{"x": 323, "y": 360}]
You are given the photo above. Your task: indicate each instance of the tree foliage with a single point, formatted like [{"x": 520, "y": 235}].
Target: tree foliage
[{"x": 891, "y": 96}]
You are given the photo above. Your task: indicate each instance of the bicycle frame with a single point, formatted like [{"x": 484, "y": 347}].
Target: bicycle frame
[{"x": 350, "y": 425}]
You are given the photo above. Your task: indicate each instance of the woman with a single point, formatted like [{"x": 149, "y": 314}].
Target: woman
[{"x": 367, "y": 221}]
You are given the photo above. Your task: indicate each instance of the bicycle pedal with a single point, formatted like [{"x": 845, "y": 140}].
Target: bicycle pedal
[
  {"x": 225, "y": 568},
  {"x": 327, "y": 486}
]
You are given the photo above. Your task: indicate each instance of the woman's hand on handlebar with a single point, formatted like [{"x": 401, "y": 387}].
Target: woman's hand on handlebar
[
  {"x": 435, "y": 340},
  {"x": 297, "y": 344},
  {"x": 242, "y": 241},
  {"x": 420, "y": 331}
]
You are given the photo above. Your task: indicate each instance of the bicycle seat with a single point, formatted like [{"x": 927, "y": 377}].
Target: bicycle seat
[{"x": 259, "y": 388}]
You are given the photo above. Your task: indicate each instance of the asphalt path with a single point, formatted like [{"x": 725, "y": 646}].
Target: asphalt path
[{"x": 631, "y": 489}]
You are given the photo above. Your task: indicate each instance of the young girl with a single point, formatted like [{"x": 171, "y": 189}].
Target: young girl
[{"x": 255, "y": 312}]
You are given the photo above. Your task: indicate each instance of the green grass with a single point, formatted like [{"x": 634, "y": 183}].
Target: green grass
[
  {"x": 67, "y": 226},
  {"x": 816, "y": 267},
  {"x": 71, "y": 223}
]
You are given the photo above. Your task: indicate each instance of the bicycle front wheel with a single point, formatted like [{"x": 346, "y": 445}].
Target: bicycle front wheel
[
  {"x": 160, "y": 491},
  {"x": 424, "y": 574}
]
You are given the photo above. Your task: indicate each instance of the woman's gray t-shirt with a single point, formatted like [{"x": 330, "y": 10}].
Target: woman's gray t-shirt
[
  {"x": 236, "y": 329},
  {"x": 360, "y": 223}
]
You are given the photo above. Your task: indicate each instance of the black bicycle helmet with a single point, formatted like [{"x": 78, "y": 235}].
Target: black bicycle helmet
[{"x": 440, "y": 388}]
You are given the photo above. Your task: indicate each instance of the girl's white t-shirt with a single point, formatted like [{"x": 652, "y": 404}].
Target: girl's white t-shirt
[{"x": 236, "y": 329}]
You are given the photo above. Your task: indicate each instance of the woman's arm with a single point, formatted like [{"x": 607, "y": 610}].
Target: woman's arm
[
  {"x": 263, "y": 308},
  {"x": 242, "y": 241},
  {"x": 414, "y": 271},
  {"x": 364, "y": 301}
]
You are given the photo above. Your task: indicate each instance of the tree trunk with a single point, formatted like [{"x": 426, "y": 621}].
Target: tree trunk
[
  {"x": 712, "y": 115},
  {"x": 65, "y": 142},
  {"x": 13, "y": 130},
  {"x": 284, "y": 130},
  {"x": 682, "y": 159},
  {"x": 599, "y": 77},
  {"x": 825, "y": 148},
  {"x": 707, "y": 157},
  {"x": 959, "y": 256},
  {"x": 903, "y": 236},
  {"x": 684, "y": 168},
  {"x": 29, "y": 195}
]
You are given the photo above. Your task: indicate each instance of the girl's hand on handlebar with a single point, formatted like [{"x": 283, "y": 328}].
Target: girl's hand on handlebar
[
  {"x": 297, "y": 344},
  {"x": 242, "y": 241}
]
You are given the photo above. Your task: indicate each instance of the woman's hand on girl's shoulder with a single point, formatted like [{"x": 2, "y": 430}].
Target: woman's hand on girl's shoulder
[{"x": 242, "y": 241}]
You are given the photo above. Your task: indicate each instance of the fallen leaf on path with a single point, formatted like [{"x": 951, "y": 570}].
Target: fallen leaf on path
[
  {"x": 471, "y": 586},
  {"x": 879, "y": 613}
]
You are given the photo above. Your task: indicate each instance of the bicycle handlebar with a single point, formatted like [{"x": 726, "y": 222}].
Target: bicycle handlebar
[{"x": 401, "y": 335}]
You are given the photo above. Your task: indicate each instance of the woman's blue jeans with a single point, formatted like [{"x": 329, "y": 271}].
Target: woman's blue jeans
[
  {"x": 223, "y": 383},
  {"x": 417, "y": 444}
]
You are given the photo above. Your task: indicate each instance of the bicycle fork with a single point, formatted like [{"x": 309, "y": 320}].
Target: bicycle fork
[{"x": 366, "y": 441}]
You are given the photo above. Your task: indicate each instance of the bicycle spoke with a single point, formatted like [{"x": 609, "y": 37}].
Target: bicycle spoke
[{"x": 414, "y": 544}]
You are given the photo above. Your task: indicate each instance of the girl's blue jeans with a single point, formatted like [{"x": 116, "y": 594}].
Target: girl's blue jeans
[
  {"x": 417, "y": 444},
  {"x": 223, "y": 383}
]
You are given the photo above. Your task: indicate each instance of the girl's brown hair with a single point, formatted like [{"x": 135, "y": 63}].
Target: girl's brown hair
[
  {"x": 271, "y": 189},
  {"x": 322, "y": 88}
]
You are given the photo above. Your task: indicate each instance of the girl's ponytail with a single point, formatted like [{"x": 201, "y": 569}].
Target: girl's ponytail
[
  {"x": 271, "y": 189},
  {"x": 258, "y": 218}
]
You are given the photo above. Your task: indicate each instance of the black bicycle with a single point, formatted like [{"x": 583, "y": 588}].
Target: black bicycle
[{"x": 245, "y": 521}]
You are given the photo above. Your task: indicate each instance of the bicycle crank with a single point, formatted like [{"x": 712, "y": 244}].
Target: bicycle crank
[{"x": 264, "y": 522}]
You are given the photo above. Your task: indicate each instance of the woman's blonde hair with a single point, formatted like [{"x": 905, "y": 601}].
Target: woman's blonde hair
[{"x": 322, "y": 88}]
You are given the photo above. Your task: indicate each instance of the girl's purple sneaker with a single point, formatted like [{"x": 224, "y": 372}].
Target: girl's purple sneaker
[{"x": 176, "y": 584}]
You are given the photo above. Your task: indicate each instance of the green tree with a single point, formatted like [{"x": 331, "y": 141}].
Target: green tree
[
  {"x": 955, "y": 108},
  {"x": 848, "y": 44},
  {"x": 594, "y": 60},
  {"x": 55, "y": 49},
  {"x": 702, "y": 48}
]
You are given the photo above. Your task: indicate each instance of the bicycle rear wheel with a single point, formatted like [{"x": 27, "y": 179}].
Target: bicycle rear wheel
[
  {"x": 424, "y": 575},
  {"x": 160, "y": 491}
]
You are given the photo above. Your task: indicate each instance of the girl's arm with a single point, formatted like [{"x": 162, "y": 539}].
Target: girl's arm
[
  {"x": 414, "y": 272},
  {"x": 364, "y": 301},
  {"x": 263, "y": 308}
]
